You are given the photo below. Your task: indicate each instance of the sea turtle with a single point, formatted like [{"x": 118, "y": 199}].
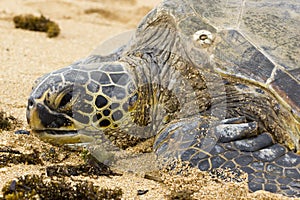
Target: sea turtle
[{"x": 215, "y": 83}]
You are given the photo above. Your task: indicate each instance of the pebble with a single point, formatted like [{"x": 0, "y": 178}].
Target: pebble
[
  {"x": 22, "y": 132},
  {"x": 142, "y": 192}
]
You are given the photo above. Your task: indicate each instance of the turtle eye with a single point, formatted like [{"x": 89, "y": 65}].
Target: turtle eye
[{"x": 66, "y": 99}]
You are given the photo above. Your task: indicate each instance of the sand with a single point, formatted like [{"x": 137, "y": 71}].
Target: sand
[{"x": 26, "y": 55}]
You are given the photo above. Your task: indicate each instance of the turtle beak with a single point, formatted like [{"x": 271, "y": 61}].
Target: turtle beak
[
  {"x": 32, "y": 115},
  {"x": 40, "y": 117},
  {"x": 52, "y": 127}
]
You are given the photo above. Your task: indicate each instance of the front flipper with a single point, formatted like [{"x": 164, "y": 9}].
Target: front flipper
[{"x": 234, "y": 144}]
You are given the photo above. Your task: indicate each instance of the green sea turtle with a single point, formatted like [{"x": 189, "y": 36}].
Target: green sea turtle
[{"x": 215, "y": 83}]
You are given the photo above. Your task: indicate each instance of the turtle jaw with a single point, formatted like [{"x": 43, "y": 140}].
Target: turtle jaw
[
  {"x": 59, "y": 137},
  {"x": 52, "y": 127},
  {"x": 40, "y": 117}
]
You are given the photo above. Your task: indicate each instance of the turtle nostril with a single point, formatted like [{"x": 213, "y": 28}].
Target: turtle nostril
[{"x": 30, "y": 103}]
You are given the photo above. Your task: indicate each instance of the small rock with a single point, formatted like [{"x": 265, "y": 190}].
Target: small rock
[
  {"x": 22, "y": 132},
  {"x": 142, "y": 192}
]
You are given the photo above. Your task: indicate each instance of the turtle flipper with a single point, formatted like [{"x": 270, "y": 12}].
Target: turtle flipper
[
  {"x": 270, "y": 166},
  {"x": 232, "y": 144}
]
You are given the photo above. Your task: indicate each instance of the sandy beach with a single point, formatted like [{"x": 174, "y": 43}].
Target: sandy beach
[{"x": 26, "y": 55}]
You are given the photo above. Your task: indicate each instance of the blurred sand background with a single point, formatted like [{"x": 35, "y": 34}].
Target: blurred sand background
[{"x": 26, "y": 55}]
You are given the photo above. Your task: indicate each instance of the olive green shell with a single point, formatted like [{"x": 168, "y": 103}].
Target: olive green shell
[{"x": 259, "y": 40}]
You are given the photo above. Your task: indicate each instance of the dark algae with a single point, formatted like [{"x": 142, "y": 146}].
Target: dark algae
[
  {"x": 14, "y": 157},
  {"x": 42, "y": 187},
  {"x": 91, "y": 167},
  {"x": 7, "y": 122},
  {"x": 58, "y": 181},
  {"x": 34, "y": 23}
]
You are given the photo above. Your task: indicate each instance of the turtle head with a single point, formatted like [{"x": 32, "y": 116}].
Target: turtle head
[{"x": 75, "y": 98}]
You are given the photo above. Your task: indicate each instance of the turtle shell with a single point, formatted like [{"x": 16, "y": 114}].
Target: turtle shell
[
  {"x": 259, "y": 40},
  {"x": 254, "y": 41}
]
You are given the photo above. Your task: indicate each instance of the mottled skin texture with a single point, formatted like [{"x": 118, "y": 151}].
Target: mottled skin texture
[{"x": 213, "y": 100}]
